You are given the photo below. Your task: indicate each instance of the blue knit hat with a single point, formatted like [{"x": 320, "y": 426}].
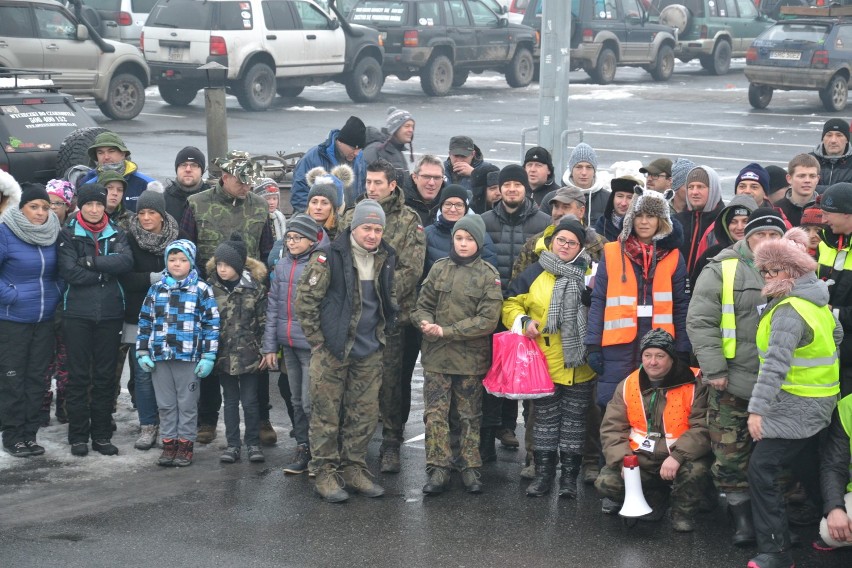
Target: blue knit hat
[
  {"x": 583, "y": 153},
  {"x": 680, "y": 169},
  {"x": 754, "y": 172},
  {"x": 184, "y": 246}
]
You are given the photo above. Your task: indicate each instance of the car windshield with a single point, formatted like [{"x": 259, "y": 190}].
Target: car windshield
[
  {"x": 104, "y": 5},
  {"x": 142, "y": 6},
  {"x": 813, "y": 33},
  {"x": 378, "y": 12},
  {"x": 194, "y": 15}
]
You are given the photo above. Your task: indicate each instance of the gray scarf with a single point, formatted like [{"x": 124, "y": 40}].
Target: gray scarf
[
  {"x": 566, "y": 315},
  {"x": 153, "y": 242},
  {"x": 38, "y": 235}
]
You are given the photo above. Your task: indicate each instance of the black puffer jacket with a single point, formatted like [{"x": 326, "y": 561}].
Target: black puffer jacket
[
  {"x": 137, "y": 281},
  {"x": 176, "y": 197},
  {"x": 510, "y": 231},
  {"x": 426, "y": 211},
  {"x": 833, "y": 169},
  {"x": 835, "y": 459}
]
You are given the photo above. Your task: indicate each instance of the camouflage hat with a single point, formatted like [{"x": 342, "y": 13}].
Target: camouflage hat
[
  {"x": 107, "y": 140},
  {"x": 106, "y": 177},
  {"x": 240, "y": 165}
]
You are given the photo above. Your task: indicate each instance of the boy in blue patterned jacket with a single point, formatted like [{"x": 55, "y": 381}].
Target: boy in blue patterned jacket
[{"x": 177, "y": 343}]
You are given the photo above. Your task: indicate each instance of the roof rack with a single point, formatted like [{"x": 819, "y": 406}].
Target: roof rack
[
  {"x": 14, "y": 79},
  {"x": 812, "y": 11}
]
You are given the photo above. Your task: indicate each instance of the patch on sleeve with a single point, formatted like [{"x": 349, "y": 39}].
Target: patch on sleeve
[
  {"x": 420, "y": 228},
  {"x": 321, "y": 259},
  {"x": 312, "y": 281},
  {"x": 497, "y": 281}
]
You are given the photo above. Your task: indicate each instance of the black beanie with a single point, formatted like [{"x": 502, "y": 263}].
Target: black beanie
[
  {"x": 660, "y": 339},
  {"x": 353, "y": 133},
  {"x": 454, "y": 190},
  {"x": 514, "y": 172},
  {"x": 574, "y": 226},
  {"x": 233, "y": 253},
  {"x": 837, "y": 198},
  {"x": 836, "y": 125},
  {"x": 191, "y": 154},
  {"x": 91, "y": 192},
  {"x": 30, "y": 192},
  {"x": 540, "y": 155},
  {"x": 765, "y": 219}
]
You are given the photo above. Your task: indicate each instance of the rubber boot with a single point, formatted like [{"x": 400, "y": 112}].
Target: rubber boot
[
  {"x": 570, "y": 471},
  {"x": 743, "y": 524},
  {"x": 545, "y": 471},
  {"x": 487, "y": 445}
]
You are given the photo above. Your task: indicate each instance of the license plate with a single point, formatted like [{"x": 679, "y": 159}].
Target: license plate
[
  {"x": 175, "y": 54},
  {"x": 786, "y": 55}
]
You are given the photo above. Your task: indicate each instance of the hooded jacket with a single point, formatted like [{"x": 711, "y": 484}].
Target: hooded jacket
[
  {"x": 615, "y": 427},
  {"x": 786, "y": 415},
  {"x": 136, "y": 183},
  {"x": 720, "y": 237},
  {"x": 464, "y": 181},
  {"x": 705, "y": 317},
  {"x": 510, "y": 231},
  {"x": 597, "y": 198},
  {"x": 381, "y": 145},
  {"x": 439, "y": 241},
  {"x": 29, "y": 280},
  {"x": 695, "y": 223},
  {"x": 323, "y": 155},
  {"x": 833, "y": 169},
  {"x": 605, "y": 225}
]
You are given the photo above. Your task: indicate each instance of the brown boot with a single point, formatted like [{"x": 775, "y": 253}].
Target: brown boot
[
  {"x": 170, "y": 448},
  {"x": 329, "y": 484},
  {"x": 206, "y": 433},
  {"x": 357, "y": 478},
  {"x": 268, "y": 436},
  {"x": 184, "y": 453}
]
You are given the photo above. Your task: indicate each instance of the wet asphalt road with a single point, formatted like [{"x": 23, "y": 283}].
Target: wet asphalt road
[{"x": 125, "y": 511}]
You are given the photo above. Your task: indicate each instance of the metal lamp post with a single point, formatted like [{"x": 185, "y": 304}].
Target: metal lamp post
[{"x": 216, "y": 114}]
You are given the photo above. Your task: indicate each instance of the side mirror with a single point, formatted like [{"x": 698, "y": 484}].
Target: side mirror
[
  {"x": 82, "y": 32},
  {"x": 502, "y": 22},
  {"x": 335, "y": 23}
]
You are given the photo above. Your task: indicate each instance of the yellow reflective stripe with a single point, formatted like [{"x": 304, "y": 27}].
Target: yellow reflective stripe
[
  {"x": 621, "y": 301},
  {"x": 801, "y": 386},
  {"x": 662, "y": 296},
  {"x": 815, "y": 362},
  {"x": 728, "y": 323},
  {"x": 619, "y": 324}
]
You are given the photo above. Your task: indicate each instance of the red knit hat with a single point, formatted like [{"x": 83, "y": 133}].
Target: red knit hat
[{"x": 813, "y": 215}]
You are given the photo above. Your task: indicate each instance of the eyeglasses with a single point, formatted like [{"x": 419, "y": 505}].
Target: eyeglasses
[
  {"x": 294, "y": 238},
  {"x": 456, "y": 206},
  {"x": 658, "y": 176},
  {"x": 57, "y": 204},
  {"x": 773, "y": 272},
  {"x": 430, "y": 178},
  {"x": 563, "y": 242}
]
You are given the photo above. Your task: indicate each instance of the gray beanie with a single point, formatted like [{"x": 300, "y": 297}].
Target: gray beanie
[
  {"x": 396, "y": 118},
  {"x": 583, "y": 153},
  {"x": 153, "y": 200},
  {"x": 324, "y": 189},
  {"x": 304, "y": 225},
  {"x": 368, "y": 211},
  {"x": 474, "y": 225},
  {"x": 837, "y": 198},
  {"x": 660, "y": 339},
  {"x": 232, "y": 252},
  {"x": 681, "y": 169}
]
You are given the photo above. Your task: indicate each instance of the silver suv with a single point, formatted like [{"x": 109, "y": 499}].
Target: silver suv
[
  {"x": 268, "y": 46},
  {"x": 43, "y": 35}
]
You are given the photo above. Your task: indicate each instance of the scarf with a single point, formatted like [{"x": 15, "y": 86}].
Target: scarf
[
  {"x": 644, "y": 256},
  {"x": 39, "y": 235},
  {"x": 454, "y": 256},
  {"x": 565, "y": 314},
  {"x": 94, "y": 228},
  {"x": 153, "y": 242}
]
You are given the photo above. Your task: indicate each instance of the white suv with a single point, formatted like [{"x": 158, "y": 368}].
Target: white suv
[
  {"x": 43, "y": 35},
  {"x": 268, "y": 46}
]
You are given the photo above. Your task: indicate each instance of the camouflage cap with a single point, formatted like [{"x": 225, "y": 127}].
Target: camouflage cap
[
  {"x": 240, "y": 165},
  {"x": 108, "y": 176}
]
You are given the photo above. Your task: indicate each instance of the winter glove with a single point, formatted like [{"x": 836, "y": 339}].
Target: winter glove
[
  {"x": 204, "y": 368},
  {"x": 86, "y": 262},
  {"x": 586, "y": 297},
  {"x": 146, "y": 363},
  {"x": 156, "y": 277},
  {"x": 596, "y": 362}
]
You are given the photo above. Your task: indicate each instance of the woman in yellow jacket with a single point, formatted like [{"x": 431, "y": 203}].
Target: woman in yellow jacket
[{"x": 546, "y": 297}]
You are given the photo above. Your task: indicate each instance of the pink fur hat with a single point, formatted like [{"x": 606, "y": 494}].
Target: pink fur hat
[{"x": 789, "y": 253}]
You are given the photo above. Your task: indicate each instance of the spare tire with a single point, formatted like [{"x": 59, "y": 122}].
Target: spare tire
[
  {"x": 676, "y": 16},
  {"x": 74, "y": 150}
]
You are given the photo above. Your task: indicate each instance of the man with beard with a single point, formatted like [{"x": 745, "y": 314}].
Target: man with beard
[{"x": 190, "y": 164}]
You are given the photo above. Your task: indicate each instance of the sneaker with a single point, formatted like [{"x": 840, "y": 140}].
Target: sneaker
[
  {"x": 329, "y": 485},
  {"x": 528, "y": 472},
  {"x": 79, "y": 449},
  {"x": 170, "y": 448},
  {"x": 230, "y": 454},
  {"x": 508, "y": 439},
  {"x": 255, "y": 454},
  {"x": 104, "y": 447},
  {"x": 357, "y": 478},
  {"x": 147, "y": 437},
  {"x": 609, "y": 506},
  {"x": 471, "y": 479},
  {"x": 183, "y": 458},
  {"x": 682, "y": 523},
  {"x": 821, "y": 545},
  {"x": 36, "y": 449},
  {"x": 439, "y": 480},
  {"x": 18, "y": 450},
  {"x": 390, "y": 460},
  {"x": 268, "y": 437},
  {"x": 300, "y": 463},
  {"x": 206, "y": 433},
  {"x": 772, "y": 560}
]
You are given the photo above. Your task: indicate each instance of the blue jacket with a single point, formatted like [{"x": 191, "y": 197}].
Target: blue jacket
[
  {"x": 136, "y": 184},
  {"x": 29, "y": 280},
  {"x": 439, "y": 241},
  {"x": 323, "y": 156},
  {"x": 168, "y": 309},
  {"x": 621, "y": 360}
]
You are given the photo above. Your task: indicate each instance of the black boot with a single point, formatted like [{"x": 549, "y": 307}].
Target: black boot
[
  {"x": 568, "y": 477},
  {"x": 743, "y": 525},
  {"x": 487, "y": 445},
  {"x": 545, "y": 471}
]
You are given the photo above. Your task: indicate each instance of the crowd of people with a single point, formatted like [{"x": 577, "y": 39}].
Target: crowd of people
[{"x": 705, "y": 338}]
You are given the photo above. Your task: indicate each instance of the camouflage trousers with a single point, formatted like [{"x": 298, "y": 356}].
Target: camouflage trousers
[
  {"x": 390, "y": 394},
  {"x": 344, "y": 408},
  {"x": 687, "y": 490},
  {"x": 727, "y": 422},
  {"x": 464, "y": 393}
]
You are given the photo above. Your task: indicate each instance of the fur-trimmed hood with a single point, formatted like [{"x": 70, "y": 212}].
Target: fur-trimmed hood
[
  {"x": 253, "y": 275},
  {"x": 652, "y": 203},
  {"x": 789, "y": 253},
  {"x": 10, "y": 191}
]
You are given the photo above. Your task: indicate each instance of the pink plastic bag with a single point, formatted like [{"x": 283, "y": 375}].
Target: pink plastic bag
[{"x": 518, "y": 368}]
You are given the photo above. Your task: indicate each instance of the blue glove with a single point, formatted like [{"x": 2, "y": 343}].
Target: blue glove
[
  {"x": 146, "y": 363},
  {"x": 204, "y": 368},
  {"x": 596, "y": 362}
]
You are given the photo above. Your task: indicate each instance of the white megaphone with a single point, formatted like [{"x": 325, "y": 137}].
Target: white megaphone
[{"x": 634, "y": 500}]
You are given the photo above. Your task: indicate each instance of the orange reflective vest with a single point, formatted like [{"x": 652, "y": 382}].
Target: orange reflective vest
[
  {"x": 675, "y": 414},
  {"x": 622, "y": 297}
]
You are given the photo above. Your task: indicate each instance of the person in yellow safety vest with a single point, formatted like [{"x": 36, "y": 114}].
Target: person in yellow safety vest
[
  {"x": 658, "y": 413},
  {"x": 796, "y": 390},
  {"x": 721, "y": 324},
  {"x": 835, "y": 530},
  {"x": 835, "y": 267}
]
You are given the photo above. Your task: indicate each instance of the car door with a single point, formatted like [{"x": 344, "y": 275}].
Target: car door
[
  {"x": 63, "y": 52},
  {"x": 324, "y": 42},
  {"x": 637, "y": 43},
  {"x": 460, "y": 29},
  {"x": 492, "y": 39},
  {"x": 20, "y": 46},
  {"x": 745, "y": 25},
  {"x": 283, "y": 38}
]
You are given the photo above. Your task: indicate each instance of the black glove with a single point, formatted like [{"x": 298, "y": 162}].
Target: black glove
[
  {"x": 86, "y": 262},
  {"x": 596, "y": 362},
  {"x": 586, "y": 297}
]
